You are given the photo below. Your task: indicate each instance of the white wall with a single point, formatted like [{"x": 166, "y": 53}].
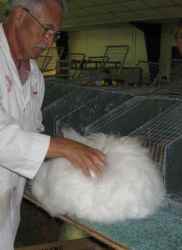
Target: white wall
[{"x": 93, "y": 42}]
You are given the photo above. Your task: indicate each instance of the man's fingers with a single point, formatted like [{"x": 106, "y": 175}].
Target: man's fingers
[
  {"x": 90, "y": 160},
  {"x": 96, "y": 167},
  {"x": 101, "y": 158},
  {"x": 99, "y": 161}
]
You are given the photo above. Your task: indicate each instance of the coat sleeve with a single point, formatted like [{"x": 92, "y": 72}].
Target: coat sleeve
[{"x": 20, "y": 151}]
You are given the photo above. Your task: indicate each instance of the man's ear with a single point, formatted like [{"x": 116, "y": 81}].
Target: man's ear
[{"x": 19, "y": 15}]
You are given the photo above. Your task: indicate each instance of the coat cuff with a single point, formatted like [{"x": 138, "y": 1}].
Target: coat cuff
[{"x": 38, "y": 151}]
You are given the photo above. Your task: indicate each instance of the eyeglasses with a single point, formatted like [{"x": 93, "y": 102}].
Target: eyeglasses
[{"x": 55, "y": 34}]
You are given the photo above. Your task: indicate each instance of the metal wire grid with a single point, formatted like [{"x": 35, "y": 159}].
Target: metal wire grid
[
  {"x": 72, "y": 101},
  {"x": 75, "y": 101},
  {"x": 157, "y": 152},
  {"x": 114, "y": 114},
  {"x": 161, "y": 132},
  {"x": 165, "y": 128},
  {"x": 93, "y": 110},
  {"x": 130, "y": 115}
]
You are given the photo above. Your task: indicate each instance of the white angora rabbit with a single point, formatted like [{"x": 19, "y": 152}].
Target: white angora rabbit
[{"x": 131, "y": 186}]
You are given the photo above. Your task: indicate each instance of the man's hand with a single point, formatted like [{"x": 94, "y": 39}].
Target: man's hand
[{"x": 91, "y": 161}]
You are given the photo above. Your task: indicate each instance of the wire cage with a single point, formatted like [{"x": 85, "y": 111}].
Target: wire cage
[
  {"x": 64, "y": 105},
  {"x": 163, "y": 136},
  {"x": 56, "y": 89},
  {"x": 117, "y": 55},
  {"x": 80, "y": 107},
  {"x": 156, "y": 118},
  {"x": 81, "y": 117},
  {"x": 129, "y": 116}
]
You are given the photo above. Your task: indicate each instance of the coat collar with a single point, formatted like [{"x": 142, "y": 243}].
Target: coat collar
[{"x": 13, "y": 73}]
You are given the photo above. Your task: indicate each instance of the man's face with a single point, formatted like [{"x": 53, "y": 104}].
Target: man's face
[{"x": 38, "y": 28}]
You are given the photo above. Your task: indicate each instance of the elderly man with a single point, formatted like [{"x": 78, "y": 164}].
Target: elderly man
[{"x": 31, "y": 27}]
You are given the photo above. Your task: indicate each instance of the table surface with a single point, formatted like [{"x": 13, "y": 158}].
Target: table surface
[{"x": 161, "y": 231}]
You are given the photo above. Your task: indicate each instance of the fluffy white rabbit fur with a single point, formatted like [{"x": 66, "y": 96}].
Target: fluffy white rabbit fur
[{"x": 131, "y": 186}]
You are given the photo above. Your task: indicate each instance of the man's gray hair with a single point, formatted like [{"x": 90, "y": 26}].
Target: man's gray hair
[{"x": 31, "y": 4}]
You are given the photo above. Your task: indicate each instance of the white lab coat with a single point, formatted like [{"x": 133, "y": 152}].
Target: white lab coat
[{"x": 22, "y": 147}]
